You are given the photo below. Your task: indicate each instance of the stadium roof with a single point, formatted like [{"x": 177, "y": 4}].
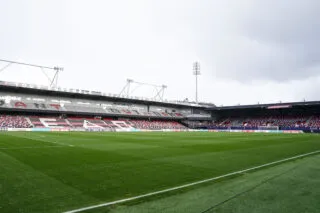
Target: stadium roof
[
  {"x": 270, "y": 106},
  {"x": 93, "y": 95}
]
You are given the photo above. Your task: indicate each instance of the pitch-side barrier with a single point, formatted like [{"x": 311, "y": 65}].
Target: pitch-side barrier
[{"x": 148, "y": 130}]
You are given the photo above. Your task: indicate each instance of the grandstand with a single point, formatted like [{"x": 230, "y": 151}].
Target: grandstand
[
  {"x": 35, "y": 107},
  {"x": 26, "y": 106},
  {"x": 299, "y": 116}
]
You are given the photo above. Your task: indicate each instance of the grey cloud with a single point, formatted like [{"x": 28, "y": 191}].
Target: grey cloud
[{"x": 275, "y": 40}]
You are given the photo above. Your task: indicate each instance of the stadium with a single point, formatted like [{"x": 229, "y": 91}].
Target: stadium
[
  {"x": 238, "y": 134},
  {"x": 39, "y": 108},
  {"x": 86, "y": 151}
]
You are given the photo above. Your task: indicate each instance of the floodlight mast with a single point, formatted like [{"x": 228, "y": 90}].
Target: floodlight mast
[
  {"x": 52, "y": 82},
  {"x": 196, "y": 72}
]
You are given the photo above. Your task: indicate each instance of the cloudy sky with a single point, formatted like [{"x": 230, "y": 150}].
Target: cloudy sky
[{"x": 250, "y": 50}]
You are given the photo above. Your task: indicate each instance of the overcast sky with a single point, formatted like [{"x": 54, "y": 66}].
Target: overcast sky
[{"x": 250, "y": 50}]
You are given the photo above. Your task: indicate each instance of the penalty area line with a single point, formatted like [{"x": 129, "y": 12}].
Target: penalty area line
[{"x": 190, "y": 184}]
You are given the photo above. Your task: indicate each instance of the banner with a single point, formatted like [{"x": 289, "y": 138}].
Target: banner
[
  {"x": 41, "y": 129},
  {"x": 19, "y": 129},
  {"x": 292, "y": 131}
]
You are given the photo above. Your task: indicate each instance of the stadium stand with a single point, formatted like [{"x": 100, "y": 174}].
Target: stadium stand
[
  {"x": 283, "y": 122},
  {"x": 14, "y": 122},
  {"x": 88, "y": 107},
  {"x": 35, "y": 107},
  {"x": 290, "y": 122},
  {"x": 156, "y": 125},
  {"x": 90, "y": 122},
  {"x": 87, "y": 123},
  {"x": 54, "y": 122},
  {"x": 314, "y": 122}
]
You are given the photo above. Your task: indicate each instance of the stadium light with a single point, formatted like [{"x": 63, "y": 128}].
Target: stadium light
[
  {"x": 196, "y": 72},
  {"x": 58, "y": 68},
  {"x": 54, "y": 82}
]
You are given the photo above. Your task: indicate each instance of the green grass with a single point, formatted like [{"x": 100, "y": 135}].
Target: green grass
[
  {"x": 41, "y": 172},
  {"x": 291, "y": 187}
]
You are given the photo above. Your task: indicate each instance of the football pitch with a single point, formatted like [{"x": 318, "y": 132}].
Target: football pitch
[{"x": 60, "y": 172}]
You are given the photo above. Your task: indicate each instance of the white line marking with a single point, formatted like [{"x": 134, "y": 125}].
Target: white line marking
[
  {"x": 189, "y": 184},
  {"x": 31, "y": 147}
]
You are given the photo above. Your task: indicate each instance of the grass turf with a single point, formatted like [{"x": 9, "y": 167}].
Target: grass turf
[
  {"x": 41, "y": 172},
  {"x": 290, "y": 187}
]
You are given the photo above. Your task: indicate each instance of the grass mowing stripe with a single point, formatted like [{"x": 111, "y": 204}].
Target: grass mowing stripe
[
  {"x": 191, "y": 184},
  {"x": 30, "y": 147},
  {"x": 248, "y": 190},
  {"x": 40, "y": 139}
]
